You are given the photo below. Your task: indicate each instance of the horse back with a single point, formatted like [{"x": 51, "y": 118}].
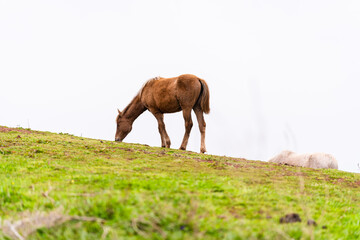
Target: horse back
[{"x": 169, "y": 95}]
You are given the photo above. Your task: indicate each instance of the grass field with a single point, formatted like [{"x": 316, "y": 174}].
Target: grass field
[{"x": 58, "y": 186}]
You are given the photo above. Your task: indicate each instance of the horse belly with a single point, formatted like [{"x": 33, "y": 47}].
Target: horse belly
[{"x": 167, "y": 103}]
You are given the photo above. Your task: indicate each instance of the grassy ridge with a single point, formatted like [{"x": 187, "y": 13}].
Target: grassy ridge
[{"x": 138, "y": 192}]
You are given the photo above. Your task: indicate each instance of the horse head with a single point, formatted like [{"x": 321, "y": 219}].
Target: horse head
[{"x": 123, "y": 127}]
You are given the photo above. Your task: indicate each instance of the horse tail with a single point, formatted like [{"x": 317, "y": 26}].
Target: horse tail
[{"x": 204, "y": 98}]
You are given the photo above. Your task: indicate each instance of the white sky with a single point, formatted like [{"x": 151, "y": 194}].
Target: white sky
[{"x": 282, "y": 74}]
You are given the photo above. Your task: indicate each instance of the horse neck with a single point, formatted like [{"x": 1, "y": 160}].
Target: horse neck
[{"x": 134, "y": 109}]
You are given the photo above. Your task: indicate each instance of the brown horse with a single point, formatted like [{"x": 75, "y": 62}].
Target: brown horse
[{"x": 168, "y": 95}]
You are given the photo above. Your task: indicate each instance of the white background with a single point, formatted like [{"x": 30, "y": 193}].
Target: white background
[{"x": 282, "y": 74}]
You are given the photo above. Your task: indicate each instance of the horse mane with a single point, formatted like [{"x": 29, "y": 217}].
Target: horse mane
[
  {"x": 151, "y": 80},
  {"x": 146, "y": 83},
  {"x": 138, "y": 95},
  {"x": 130, "y": 104}
]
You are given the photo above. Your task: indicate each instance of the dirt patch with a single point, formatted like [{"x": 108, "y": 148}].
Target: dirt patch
[
  {"x": 311, "y": 222},
  {"x": 133, "y": 150},
  {"x": 290, "y": 218},
  {"x": 340, "y": 181},
  {"x": 6, "y": 129},
  {"x": 357, "y": 183},
  {"x": 231, "y": 164}
]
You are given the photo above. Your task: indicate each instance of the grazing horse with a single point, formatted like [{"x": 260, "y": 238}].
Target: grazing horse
[{"x": 168, "y": 95}]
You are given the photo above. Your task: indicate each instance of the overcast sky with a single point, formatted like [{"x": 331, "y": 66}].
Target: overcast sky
[{"x": 282, "y": 74}]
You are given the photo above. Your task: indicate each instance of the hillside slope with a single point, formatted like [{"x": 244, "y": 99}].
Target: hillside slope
[{"x": 58, "y": 186}]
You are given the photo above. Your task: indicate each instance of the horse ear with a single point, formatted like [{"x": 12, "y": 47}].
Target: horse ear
[{"x": 119, "y": 112}]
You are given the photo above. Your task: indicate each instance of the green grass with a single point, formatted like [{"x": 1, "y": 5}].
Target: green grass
[{"x": 141, "y": 192}]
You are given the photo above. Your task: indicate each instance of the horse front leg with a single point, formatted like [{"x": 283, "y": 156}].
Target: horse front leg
[
  {"x": 188, "y": 126},
  {"x": 165, "y": 140}
]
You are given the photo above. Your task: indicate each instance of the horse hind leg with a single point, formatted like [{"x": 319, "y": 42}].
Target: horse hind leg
[
  {"x": 202, "y": 126},
  {"x": 188, "y": 126}
]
